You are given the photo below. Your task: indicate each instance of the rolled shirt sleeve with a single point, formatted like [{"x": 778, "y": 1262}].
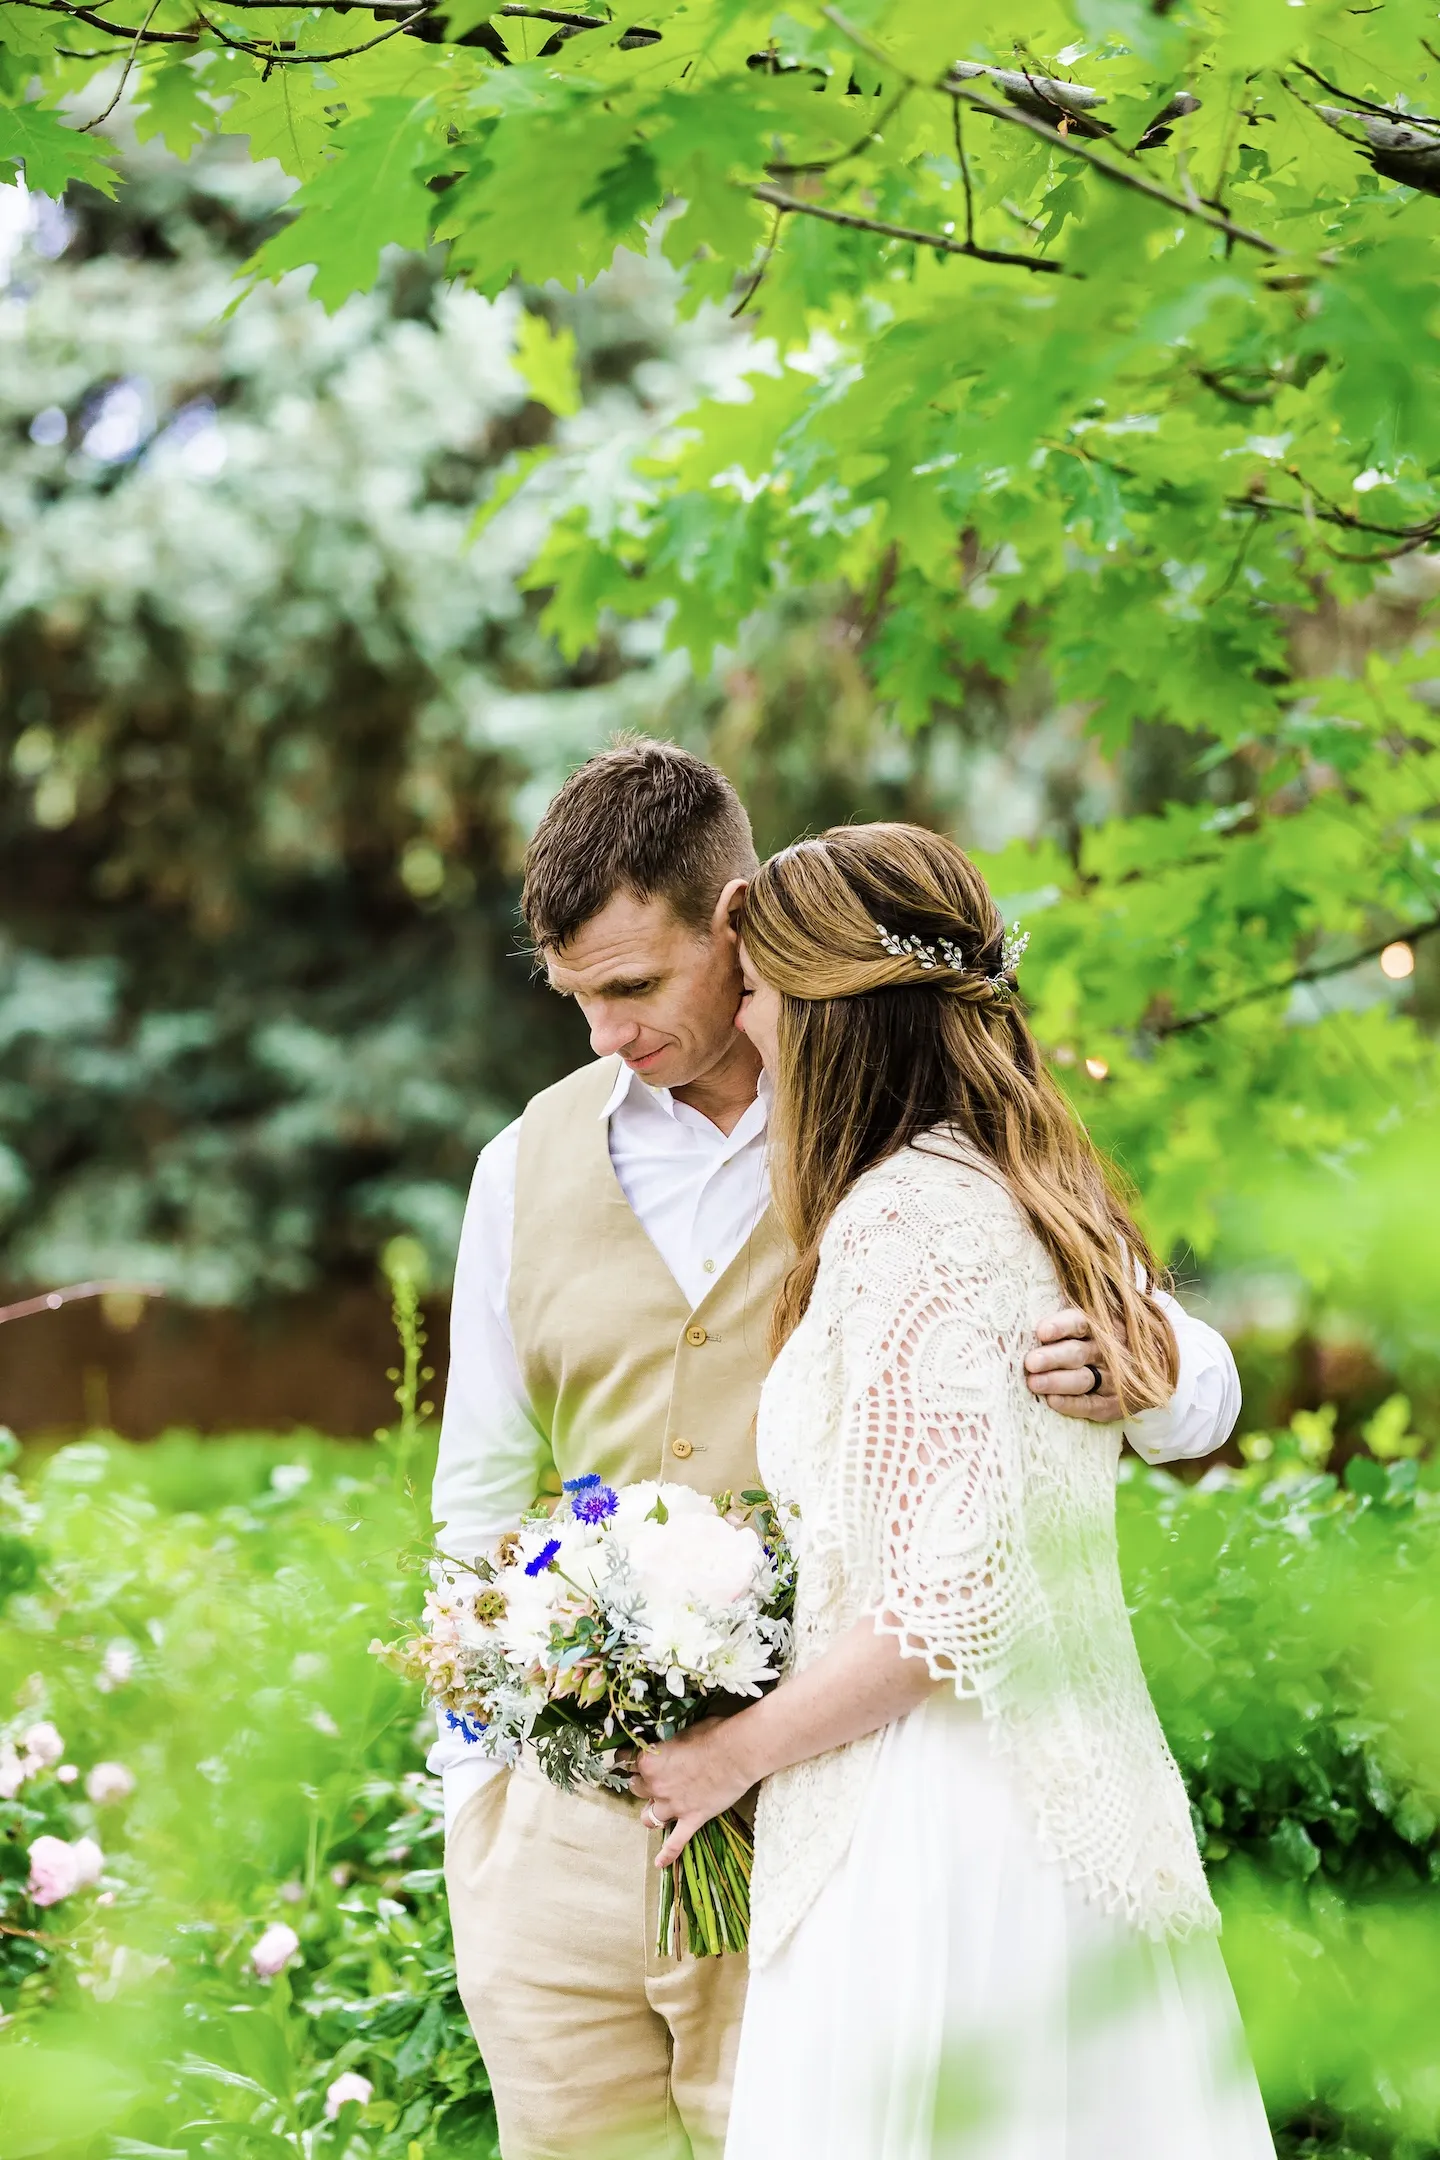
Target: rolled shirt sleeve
[
  {"x": 492, "y": 1453},
  {"x": 1200, "y": 1416}
]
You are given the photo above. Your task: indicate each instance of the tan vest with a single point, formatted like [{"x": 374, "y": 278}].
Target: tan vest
[{"x": 622, "y": 1375}]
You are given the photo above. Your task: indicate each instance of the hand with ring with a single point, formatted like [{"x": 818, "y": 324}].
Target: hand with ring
[{"x": 1067, "y": 1368}]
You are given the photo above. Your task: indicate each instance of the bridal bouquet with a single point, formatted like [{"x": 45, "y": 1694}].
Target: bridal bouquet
[{"x": 607, "y": 1627}]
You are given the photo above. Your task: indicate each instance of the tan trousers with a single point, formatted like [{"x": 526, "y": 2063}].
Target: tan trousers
[{"x": 597, "y": 2048}]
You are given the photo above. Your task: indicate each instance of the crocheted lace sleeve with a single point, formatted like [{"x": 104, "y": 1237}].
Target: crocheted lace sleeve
[{"x": 930, "y": 1491}]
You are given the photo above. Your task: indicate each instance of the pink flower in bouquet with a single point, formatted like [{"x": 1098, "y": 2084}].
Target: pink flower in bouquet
[
  {"x": 59, "y": 1869},
  {"x": 14, "y": 1769},
  {"x": 348, "y": 2086},
  {"x": 43, "y": 1744},
  {"x": 109, "y": 1781},
  {"x": 274, "y": 1950}
]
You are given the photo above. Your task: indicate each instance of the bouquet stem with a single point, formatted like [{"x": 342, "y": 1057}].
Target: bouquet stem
[{"x": 705, "y": 1895}]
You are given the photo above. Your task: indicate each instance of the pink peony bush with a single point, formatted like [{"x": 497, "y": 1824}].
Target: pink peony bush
[
  {"x": 348, "y": 2086},
  {"x": 274, "y": 1950},
  {"x": 58, "y": 1868},
  {"x": 108, "y": 1782}
]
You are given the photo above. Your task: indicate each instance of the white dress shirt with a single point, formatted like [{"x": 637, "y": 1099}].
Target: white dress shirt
[{"x": 697, "y": 1193}]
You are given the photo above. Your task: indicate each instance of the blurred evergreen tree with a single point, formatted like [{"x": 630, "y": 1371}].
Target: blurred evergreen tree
[
  {"x": 269, "y": 727},
  {"x": 275, "y": 735}
]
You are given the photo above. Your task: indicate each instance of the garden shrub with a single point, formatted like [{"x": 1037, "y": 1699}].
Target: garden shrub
[{"x": 201, "y": 1612}]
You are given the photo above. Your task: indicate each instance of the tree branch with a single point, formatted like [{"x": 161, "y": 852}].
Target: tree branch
[
  {"x": 92, "y": 21},
  {"x": 274, "y": 57},
  {"x": 1382, "y": 112},
  {"x": 561, "y": 16},
  {"x": 941, "y": 242},
  {"x": 1410, "y": 936},
  {"x": 757, "y": 279},
  {"x": 1015, "y": 116},
  {"x": 1408, "y": 537},
  {"x": 964, "y": 163},
  {"x": 52, "y": 1300},
  {"x": 124, "y": 72}
]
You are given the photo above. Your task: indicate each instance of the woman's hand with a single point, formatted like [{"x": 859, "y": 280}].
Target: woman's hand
[
  {"x": 1068, "y": 1370},
  {"x": 686, "y": 1782}
]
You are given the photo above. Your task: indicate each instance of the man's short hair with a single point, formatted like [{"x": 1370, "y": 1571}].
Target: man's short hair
[{"x": 646, "y": 818}]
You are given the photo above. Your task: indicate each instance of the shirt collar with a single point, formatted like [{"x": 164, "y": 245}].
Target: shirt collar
[{"x": 626, "y": 1078}]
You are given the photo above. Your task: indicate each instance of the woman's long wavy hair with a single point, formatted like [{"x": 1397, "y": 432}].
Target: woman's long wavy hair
[{"x": 876, "y": 1050}]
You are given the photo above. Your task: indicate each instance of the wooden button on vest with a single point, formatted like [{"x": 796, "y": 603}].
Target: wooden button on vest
[
  {"x": 695, "y": 1336},
  {"x": 682, "y": 1449}
]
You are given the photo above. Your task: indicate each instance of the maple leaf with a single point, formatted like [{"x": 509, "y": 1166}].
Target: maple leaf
[
  {"x": 50, "y": 154},
  {"x": 367, "y": 196}
]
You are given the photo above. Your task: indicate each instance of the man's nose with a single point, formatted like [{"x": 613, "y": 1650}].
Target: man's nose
[{"x": 611, "y": 1032}]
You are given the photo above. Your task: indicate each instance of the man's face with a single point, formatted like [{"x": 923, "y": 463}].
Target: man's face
[{"x": 660, "y": 993}]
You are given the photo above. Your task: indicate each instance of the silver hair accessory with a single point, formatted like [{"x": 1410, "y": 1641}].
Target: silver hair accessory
[{"x": 943, "y": 954}]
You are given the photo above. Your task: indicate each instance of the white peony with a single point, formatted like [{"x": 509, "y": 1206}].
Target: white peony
[
  {"x": 636, "y": 1502},
  {"x": 694, "y": 1559}
]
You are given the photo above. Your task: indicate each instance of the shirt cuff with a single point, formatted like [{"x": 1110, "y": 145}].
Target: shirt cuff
[
  {"x": 461, "y": 1769},
  {"x": 1201, "y": 1414}
]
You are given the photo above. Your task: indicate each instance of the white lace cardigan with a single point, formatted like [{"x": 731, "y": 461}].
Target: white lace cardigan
[{"x": 936, "y": 1491}]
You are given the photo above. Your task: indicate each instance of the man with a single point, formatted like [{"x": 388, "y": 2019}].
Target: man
[{"x": 616, "y": 1271}]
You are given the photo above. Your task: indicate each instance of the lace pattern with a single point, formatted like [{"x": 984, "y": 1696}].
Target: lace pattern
[{"x": 938, "y": 1493}]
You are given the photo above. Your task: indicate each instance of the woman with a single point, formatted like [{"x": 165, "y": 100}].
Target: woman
[{"x": 980, "y": 1922}]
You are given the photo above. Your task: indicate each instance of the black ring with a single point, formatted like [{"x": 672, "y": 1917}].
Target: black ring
[{"x": 1099, "y": 1379}]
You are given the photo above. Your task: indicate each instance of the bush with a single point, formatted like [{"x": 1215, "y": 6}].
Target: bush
[{"x": 203, "y": 1615}]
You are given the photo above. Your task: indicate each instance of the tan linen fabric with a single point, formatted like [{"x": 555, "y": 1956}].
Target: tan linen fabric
[
  {"x": 623, "y": 1376},
  {"x": 598, "y": 2049}
]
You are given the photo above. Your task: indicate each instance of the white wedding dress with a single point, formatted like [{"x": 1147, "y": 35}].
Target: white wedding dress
[{"x": 985, "y": 1933}]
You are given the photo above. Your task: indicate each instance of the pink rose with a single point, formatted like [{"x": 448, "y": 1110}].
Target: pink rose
[
  {"x": 274, "y": 1950},
  {"x": 90, "y": 1862},
  {"x": 43, "y": 1743},
  {"x": 109, "y": 1781},
  {"x": 348, "y": 2086},
  {"x": 58, "y": 1870}
]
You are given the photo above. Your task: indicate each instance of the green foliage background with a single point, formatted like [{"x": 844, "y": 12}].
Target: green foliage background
[
  {"x": 852, "y": 393},
  {"x": 1069, "y": 379},
  {"x": 1289, "y": 1626}
]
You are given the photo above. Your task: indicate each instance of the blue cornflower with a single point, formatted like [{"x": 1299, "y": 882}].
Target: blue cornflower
[
  {"x": 596, "y": 1505},
  {"x": 543, "y": 1558},
  {"x": 463, "y": 1726},
  {"x": 586, "y": 1483}
]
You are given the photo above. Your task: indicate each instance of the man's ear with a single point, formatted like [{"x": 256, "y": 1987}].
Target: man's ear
[{"x": 727, "y": 908}]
